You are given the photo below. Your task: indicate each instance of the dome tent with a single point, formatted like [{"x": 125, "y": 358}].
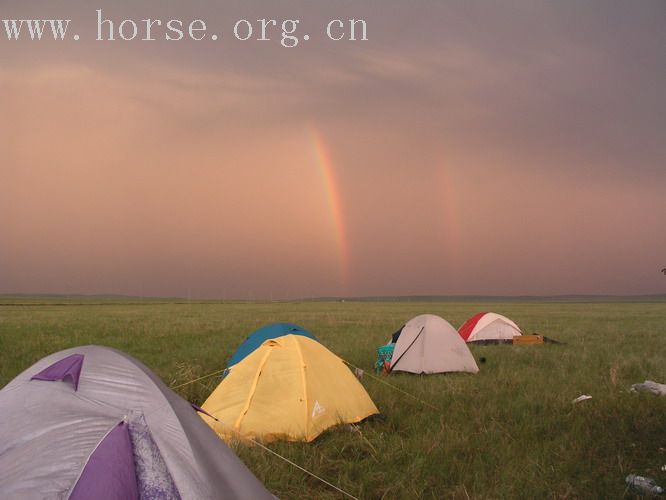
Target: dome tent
[
  {"x": 291, "y": 388},
  {"x": 489, "y": 328},
  {"x": 92, "y": 422},
  {"x": 263, "y": 334},
  {"x": 429, "y": 344}
]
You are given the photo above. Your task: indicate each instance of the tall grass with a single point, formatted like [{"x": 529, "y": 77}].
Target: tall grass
[{"x": 510, "y": 431}]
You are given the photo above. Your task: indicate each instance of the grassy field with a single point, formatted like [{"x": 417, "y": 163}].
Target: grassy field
[{"x": 510, "y": 431}]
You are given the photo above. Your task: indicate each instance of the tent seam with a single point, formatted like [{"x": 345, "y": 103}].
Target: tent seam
[
  {"x": 85, "y": 462},
  {"x": 305, "y": 392},
  {"x": 408, "y": 348},
  {"x": 253, "y": 389}
]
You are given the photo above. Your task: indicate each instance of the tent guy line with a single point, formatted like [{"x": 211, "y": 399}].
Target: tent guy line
[
  {"x": 393, "y": 386},
  {"x": 344, "y": 361},
  {"x": 197, "y": 379},
  {"x": 266, "y": 448}
]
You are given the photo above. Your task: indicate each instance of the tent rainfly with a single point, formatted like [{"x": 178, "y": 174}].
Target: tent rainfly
[
  {"x": 263, "y": 334},
  {"x": 92, "y": 422},
  {"x": 429, "y": 344},
  {"x": 290, "y": 388}
]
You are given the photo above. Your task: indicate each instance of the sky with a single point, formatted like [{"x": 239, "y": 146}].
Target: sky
[{"x": 465, "y": 148}]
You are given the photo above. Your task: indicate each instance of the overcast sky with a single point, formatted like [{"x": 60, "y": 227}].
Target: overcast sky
[{"x": 468, "y": 147}]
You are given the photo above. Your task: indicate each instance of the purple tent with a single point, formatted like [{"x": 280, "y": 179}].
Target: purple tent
[{"x": 92, "y": 422}]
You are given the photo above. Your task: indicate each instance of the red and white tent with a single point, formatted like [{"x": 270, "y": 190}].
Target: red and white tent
[{"x": 488, "y": 327}]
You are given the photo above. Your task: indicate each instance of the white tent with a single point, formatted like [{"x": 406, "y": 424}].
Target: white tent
[
  {"x": 92, "y": 422},
  {"x": 429, "y": 344},
  {"x": 489, "y": 327}
]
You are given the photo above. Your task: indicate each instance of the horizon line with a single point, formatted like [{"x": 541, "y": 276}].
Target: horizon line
[{"x": 337, "y": 298}]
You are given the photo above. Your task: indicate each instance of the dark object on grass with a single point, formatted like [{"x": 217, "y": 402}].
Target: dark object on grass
[
  {"x": 650, "y": 386},
  {"x": 482, "y": 359},
  {"x": 491, "y": 341},
  {"x": 643, "y": 486}
]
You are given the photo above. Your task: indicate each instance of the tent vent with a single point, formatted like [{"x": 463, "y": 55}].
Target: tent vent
[{"x": 67, "y": 369}]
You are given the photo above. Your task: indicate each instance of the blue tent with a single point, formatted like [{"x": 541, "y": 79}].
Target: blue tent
[{"x": 262, "y": 335}]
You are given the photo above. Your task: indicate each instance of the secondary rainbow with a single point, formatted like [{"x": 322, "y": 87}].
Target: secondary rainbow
[{"x": 446, "y": 184}]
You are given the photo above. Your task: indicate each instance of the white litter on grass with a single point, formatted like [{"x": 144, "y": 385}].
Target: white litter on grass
[
  {"x": 582, "y": 397},
  {"x": 651, "y": 387}
]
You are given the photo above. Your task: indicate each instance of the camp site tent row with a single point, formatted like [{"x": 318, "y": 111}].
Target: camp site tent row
[
  {"x": 429, "y": 344},
  {"x": 94, "y": 423}
]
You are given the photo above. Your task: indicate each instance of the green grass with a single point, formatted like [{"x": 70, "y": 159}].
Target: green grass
[{"x": 508, "y": 432}]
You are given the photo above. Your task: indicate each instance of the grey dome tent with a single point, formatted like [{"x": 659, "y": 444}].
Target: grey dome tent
[
  {"x": 429, "y": 344},
  {"x": 92, "y": 422}
]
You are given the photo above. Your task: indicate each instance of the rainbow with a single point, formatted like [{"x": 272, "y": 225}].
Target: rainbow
[
  {"x": 450, "y": 209},
  {"x": 325, "y": 164}
]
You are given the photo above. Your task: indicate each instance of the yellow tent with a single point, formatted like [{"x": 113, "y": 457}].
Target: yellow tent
[{"x": 289, "y": 388}]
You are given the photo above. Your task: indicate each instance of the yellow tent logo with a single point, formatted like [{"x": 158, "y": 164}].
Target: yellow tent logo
[{"x": 317, "y": 410}]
